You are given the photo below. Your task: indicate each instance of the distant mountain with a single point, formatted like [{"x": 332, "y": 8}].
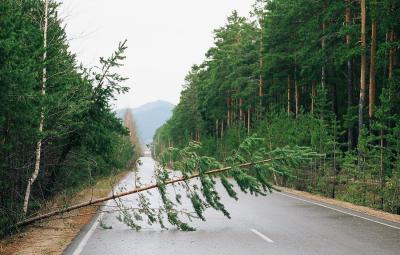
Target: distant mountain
[{"x": 149, "y": 117}]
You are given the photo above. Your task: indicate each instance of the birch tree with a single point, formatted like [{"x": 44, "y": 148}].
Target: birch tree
[{"x": 41, "y": 124}]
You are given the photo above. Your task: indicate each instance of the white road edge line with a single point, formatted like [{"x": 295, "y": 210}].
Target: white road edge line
[
  {"x": 261, "y": 235},
  {"x": 338, "y": 210},
  {"x": 89, "y": 234}
]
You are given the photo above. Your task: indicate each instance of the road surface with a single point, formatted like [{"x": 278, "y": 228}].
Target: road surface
[{"x": 277, "y": 224}]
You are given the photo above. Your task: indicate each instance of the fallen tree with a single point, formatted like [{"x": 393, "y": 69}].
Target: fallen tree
[
  {"x": 250, "y": 156},
  {"x": 134, "y": 191}
]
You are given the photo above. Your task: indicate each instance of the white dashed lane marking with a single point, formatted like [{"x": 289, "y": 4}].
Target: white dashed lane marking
[{"x": 261, "y": 235}]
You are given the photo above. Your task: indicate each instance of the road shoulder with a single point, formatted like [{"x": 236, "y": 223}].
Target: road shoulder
[
  {"x": 357, "y": 208},
  {"x": 52, "y": 237}
]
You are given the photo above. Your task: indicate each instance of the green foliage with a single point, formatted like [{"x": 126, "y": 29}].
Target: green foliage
[
  {"x": 291, "y": 74},
  {"x": 82, "y": 139}
]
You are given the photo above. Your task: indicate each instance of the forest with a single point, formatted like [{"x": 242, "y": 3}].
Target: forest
[
  {"x": 58, "y": 132},
  {"x": 323, "y": 74}
]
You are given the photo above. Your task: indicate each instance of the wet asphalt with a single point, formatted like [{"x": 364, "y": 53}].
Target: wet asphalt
[{"x": 280, "y": 223}]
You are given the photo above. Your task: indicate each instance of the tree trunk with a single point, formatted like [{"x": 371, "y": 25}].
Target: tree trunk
[
  {"x": 248, "y": 120},
  {"x": 323, "y": 68},
  {"x": 234, "y": 107},
  {"x": 391, "y": 55},
  {"x": 244, "y": 119},
  {"x": 240, "y": 109},
  {"x": 335, "y": 170},
  {"x": 363, "y": 67},
  {"x": 228, "y": 113},
  {"x": 260, "y": 79},
  {"x": 350, "y": 130},
  {"x": 228, "y": 118},
  {"x": 312, "y": 97},
  {"x": 372, "y": 71},
  {"x": 381, "y": 168},
  {"x": 335, "y": 104},
  {"x": 39, "y": 143},
  {"x": 288, "y": 96},
  {"x": 216, "y": 128},
  {"x": 222, "y": 129},
  {"x": 296, "y": 93}
]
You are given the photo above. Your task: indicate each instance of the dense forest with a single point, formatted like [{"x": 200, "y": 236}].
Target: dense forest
[
  {"x": 318, "y": 73},
  {"x": 57, "y": 128}
]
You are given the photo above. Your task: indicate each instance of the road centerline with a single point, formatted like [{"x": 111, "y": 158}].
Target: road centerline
[{"x": 261, "y": 235}]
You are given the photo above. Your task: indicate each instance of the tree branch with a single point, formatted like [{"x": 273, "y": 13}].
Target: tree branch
[{"x": 134, "y": 191}]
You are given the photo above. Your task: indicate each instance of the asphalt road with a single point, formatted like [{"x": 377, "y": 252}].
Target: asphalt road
[{"x": 277, "y": 224}]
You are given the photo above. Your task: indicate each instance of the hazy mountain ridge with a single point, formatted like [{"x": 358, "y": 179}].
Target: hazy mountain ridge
[{"x": 149, "y": 117}]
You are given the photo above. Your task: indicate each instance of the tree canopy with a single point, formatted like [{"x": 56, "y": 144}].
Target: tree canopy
[
  {"x": 81, "y": 139},
  {"x": 323, "y": 74}
]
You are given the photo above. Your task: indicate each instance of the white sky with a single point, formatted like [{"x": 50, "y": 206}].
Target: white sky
[{"x": 165, "y": 38}]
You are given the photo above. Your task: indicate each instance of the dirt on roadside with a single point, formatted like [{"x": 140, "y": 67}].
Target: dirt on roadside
[
  {"x": 369, "y": 211},
  {"x": 52, "y": 237}
]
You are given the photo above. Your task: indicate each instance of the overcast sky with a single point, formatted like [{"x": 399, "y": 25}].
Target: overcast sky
[{"x": 165, "y": 38}]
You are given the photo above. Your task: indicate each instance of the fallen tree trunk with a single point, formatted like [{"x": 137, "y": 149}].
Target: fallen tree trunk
[{"x": 31, "y": 220}]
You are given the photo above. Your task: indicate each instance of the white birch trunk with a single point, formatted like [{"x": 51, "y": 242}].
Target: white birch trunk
[{"x": 39, "y": 143}]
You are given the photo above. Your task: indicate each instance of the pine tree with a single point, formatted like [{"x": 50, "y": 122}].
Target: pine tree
[
  {"x": 310, "y": 60},
  {"x": 363, "y": 66}
]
